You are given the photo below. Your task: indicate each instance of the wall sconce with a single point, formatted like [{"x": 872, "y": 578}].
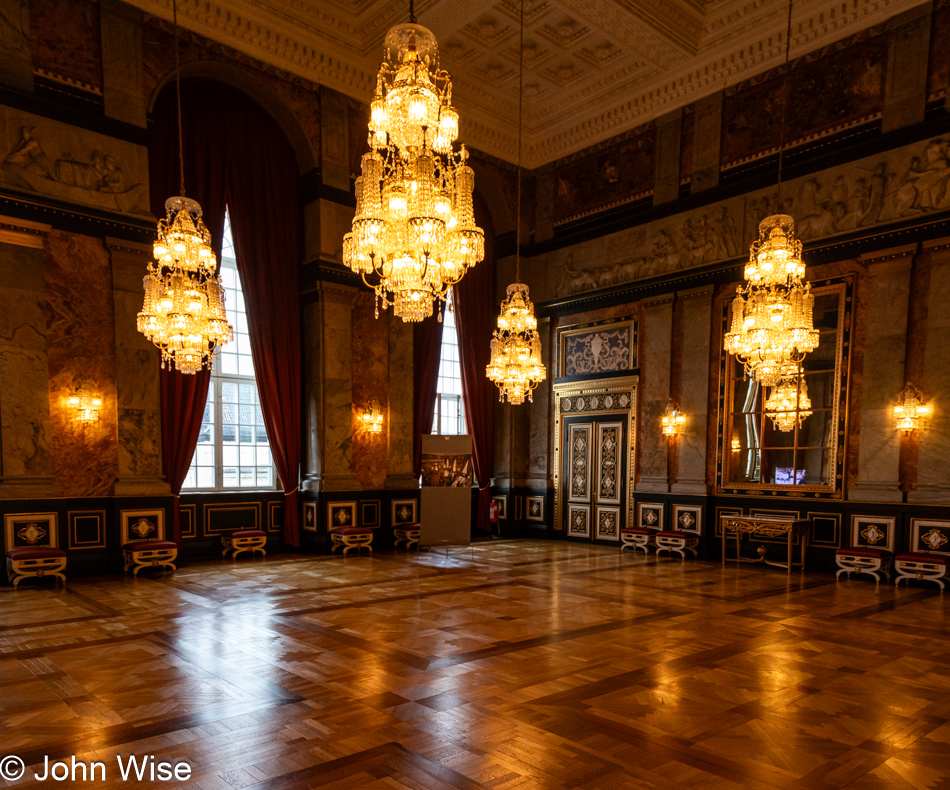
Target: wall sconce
[
  {"x": 910, "y": 409},
  {"x": 672, "y": 421},
  {"x": 85, "y": 404},
  {"x": 736, "y": 444},
  {"x": 372, "y": 418}
]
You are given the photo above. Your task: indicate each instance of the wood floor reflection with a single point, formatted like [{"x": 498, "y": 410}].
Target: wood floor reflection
[{"x": 506, "y": 665}]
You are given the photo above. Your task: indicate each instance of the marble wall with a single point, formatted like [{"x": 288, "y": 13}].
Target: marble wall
[
  {"x": 81, "y": 350},
  {"x": 370, "y": 349},
  {"x": 66, "y": 41}
]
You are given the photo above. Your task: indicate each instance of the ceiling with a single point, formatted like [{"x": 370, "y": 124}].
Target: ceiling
[{"x": 593, "y": 68}]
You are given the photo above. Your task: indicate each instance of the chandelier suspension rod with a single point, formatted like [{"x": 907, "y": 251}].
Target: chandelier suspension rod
[
  {"x": 781, "y": 139},
  {"x": 520, "y": 126},
  {"x": 181, "y": 145}
]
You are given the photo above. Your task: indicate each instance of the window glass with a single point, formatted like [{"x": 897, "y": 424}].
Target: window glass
[
  {"x": 449, "y": 413},
  {"x": 232, "y": 451}
]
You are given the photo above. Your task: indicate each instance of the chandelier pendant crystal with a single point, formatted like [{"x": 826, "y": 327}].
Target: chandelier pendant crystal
[
  {"x": 516, "y": 367},
  {"x": 788, "y": 404},
  {"x": 773, "y": 324},
  {"x": 184, "y": 313},
  {"x": 414, "y": 229}
]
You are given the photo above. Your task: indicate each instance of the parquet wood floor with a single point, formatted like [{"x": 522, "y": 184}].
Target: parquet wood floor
[{"x": 507, "y": 665}]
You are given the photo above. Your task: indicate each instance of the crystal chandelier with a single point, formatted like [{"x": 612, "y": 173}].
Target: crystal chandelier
[
  {"x": 86, "y": 404},
  {"x": 414, "y": 227},
  {"x": 516, "y": 367},
  {"x": 772, "y": 317},
  {"x": 183, "y": 313},
  {"x": 909, "y": 409},
  {"x": 672, "y": 422},
  {"x": 788, "y": 404}
]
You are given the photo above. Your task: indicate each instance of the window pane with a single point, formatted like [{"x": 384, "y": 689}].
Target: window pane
[
  {"x": 448, "y": 417},
  {"x": 236, "y": 453}
]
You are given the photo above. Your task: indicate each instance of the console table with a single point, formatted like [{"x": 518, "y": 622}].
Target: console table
[{"x": 794, "y": 530}]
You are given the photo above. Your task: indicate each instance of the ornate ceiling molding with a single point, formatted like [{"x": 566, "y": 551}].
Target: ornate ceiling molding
[{"x": 594, "y": 68}]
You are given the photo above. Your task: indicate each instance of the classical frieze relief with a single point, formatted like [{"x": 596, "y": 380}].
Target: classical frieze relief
[{"x": 903, "y": 184}]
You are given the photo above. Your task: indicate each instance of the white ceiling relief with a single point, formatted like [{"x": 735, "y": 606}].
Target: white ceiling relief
[{"x": 593, "y": 68}]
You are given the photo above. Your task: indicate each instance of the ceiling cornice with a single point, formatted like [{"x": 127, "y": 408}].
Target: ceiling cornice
[{"x": 607, "y": 65}]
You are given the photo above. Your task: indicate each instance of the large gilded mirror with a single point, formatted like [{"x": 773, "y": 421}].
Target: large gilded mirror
[{"x": 792, "y": 440}]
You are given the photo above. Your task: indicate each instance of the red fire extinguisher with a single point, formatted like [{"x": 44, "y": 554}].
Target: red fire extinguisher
[{"x": 493, "y": 513}]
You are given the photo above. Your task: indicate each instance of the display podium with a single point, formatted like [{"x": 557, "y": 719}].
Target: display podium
[{"x": 446, "y": 491}]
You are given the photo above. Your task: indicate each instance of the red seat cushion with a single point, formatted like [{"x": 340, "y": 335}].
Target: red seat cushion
[
  {"x": 638, "y": 531},
  {"x": 249, "y": 533},
  {"x": 675, "y": 534},
  {"x": 864, "y": 551},
  {"x": 352, "y": 531},
  {"x": 914, "y": 556},
  {"x": 150, "y": 545},
  {"x": 35, "y": 553},
  {"x": 408, "y": 527}
]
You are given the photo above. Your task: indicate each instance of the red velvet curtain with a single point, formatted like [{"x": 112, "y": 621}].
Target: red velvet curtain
[
  {"x": 476, "y": 311},
  {"x": 237, "y": 158},
  {"x": 426, "y": 353}
]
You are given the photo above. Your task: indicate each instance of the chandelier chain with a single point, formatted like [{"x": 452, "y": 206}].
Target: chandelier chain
[
  {"x": 181, "y": 145},
  {"x": 520, "y": 131},
  {"x": 412, "y": 12},
  {"x": 781, "y": 138}
]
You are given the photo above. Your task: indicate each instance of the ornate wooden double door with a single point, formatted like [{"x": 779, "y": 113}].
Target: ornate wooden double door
[{"x": 595, "y": 475}]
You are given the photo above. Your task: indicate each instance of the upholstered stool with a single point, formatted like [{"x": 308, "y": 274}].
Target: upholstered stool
[
  {"x": 408, "y": 533},
  {"x": 677, "y": 541},
  {"x": 638, "y": 538},
  {"x": 149, "y": 554},
  {"x": 351, "y": 538},
  {"x": 26, "y": 562},
  {"x": 864, "y": 559},
  {"x": 244, "y": 540},
  {"x": 923, "y": 566}
]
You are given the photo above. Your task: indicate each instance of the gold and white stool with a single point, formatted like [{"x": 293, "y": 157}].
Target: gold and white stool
[
  {"x": 862, "y": 559},
  {"x": 244, "y": 540}
]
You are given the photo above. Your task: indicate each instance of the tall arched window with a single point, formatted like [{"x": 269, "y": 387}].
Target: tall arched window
[
  {"x": 449, "y": 415},
  {"x": 233, "y": 451}
]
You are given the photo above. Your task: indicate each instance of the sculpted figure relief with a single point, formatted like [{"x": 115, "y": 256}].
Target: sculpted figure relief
[
  {"x": 96, "y": 178},
  {"x": 904, "y": 183}
]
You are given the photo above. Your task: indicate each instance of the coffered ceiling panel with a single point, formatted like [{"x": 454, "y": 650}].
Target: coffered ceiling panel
[{"x": 593, "y": 68}]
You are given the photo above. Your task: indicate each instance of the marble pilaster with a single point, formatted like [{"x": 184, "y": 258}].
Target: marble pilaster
[
  {"x": 908, "y": 50},
  {"x": 540, "y": 471},
  {"x": 656, "y": 328},
  {"x": 334, "y": 139},
  {"x": 932, "y": 483},
  {"x": 16, "y": 61},
  {"x": 137, "y": 388},
  {"x": 694, "y": 394},
  {"x": 336, "y": 439},
  {"x": 885, "y": 343},
  {"x": 706, "y": 143},
  {"x": 25, "y": 432},
  {"x": 666, "y": 182},
  {"x": 311, "y": 323},
  {"x": 123, "y": 71},
  {"x": 401, "y": 397}
]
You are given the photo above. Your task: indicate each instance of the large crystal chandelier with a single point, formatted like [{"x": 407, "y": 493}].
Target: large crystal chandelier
[
  {"x": 772, "y": 317},
  {"x": 183, "y": 313},
  {"x": 788, "y": 404},
  {"x": 515, "y": 366},
  {"x": 414, "y": 227}
]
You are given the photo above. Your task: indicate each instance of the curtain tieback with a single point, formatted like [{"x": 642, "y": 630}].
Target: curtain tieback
[{"x": 293, "y": 491}]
